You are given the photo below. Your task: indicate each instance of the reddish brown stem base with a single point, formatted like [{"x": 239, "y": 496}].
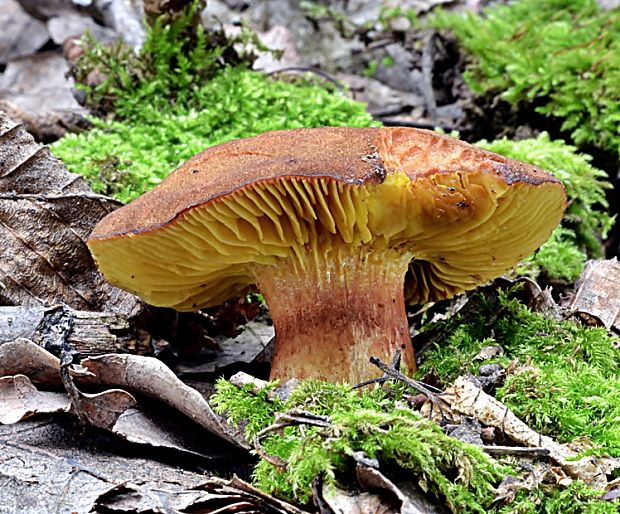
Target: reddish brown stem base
[{"x": 332, "y": 316}]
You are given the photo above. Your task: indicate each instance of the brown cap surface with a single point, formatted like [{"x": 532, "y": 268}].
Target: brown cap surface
[{"x": 463, "y": 214}]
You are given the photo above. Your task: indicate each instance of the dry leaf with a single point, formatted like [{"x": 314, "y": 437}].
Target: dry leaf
[
  {"x": 19, "y": 399},
  {"x": 409, "y": 497},
  {"x": 23, "y": 357},
  {"x": 45, "y": 468},
  {"x": 344, "y": 502},
  {"x": 598, "y": 293},
  {"x": 244, "y": 348},
  {"x": 145, "y": 375},
  {"x": 237, "y": 496},
  {"x": 148, "y": 376},
  {"x": 76, "y": 25},
  {"x": 466, "y": 399},
  {"x": 19, "y": 33},
  {"x": 34, "y": 90},
  {"x": 46, "y": 215}
]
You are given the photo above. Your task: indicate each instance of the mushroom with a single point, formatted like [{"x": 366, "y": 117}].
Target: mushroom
[{"x": 337, "y": 227}]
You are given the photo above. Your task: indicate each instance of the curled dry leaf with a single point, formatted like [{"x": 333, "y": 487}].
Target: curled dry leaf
[
  {"x": 101, "y": 410},
  {"x": 466, "y": 399},
  {"x": 148, "y": 376},
  {"x": 598, "y": 294},
  {"x": 144, "y": 375},
  {"x": 344, "y": 502},
  {"x": 23, "y": 357},
  {"x": 409, "y": 497},
  {"x": 240, "y": 497},
  {"x": 19, "y": 399},
  {"x": 46, "y": 215}
]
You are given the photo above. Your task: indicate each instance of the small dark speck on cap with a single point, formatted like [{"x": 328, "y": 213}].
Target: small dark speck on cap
[
  {"x": 462, "y": 205},
  {"x": 195, "y": 170}
]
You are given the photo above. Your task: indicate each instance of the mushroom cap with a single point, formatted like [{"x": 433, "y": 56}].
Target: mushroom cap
[{"x": 464, "y": 214}]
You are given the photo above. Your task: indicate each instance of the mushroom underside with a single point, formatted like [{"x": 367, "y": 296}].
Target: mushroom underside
[{"x": 331, "y": 257}]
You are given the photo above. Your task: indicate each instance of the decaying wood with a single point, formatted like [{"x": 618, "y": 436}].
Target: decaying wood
[{"x": 58, "y": 327}]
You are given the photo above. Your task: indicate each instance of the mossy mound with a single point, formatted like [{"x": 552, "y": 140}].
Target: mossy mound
[
  {"x": 186, "y": 89},
  {"x": 124, "y": 159},
  {"x": 565, "y": 378},
  {"x": 458, "y": 474},
  {"x": 561, "y": 55}
]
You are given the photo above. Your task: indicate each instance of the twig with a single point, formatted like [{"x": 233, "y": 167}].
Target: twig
[
  {"x": 421, "y": 387},
  {"x": 283, "y": 420},
  {"x": 308, "y": 69},
  {"x": 380, "y": 380},
  {"x": 433, "y": 393},
  {"x": 517, "y": 451}
]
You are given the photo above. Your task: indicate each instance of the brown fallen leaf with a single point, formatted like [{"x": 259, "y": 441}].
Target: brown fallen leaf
[
  {"x": 100, "y": 410},
  {"x": 73, "y": 24},
  {"x": 45, "y": 468},
  {"x": 19, "y": 399},
  {"x": 343, "y": 502},
  {"x": 19, "y": 33},
  {"x": 37, "y": 92},
  {"x": 245, "y": 348},
  {"x": 408, "y": 496},
  {"x": 46, "y": 215},
  {"x": 151, "y": 377},
  {"x": 598, "y": 293},
  {"x": 144, "y": 375},
  {"x": 23, "y": 357},
  {"x": 213, "y": 496}
]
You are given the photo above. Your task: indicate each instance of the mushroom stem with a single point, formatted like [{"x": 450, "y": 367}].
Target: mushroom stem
[{"x": 332, "y": 312}]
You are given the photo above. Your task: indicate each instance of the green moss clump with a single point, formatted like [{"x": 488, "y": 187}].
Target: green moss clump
[
  {"x": 566, "y": 378},
  {"x": 457, "y": 473},
  {"x": 577, "y": 498},
  {"x": 565, "y": 384},
  {"x": 184, "y": 91},
  {"x": 564, "y": 55},
  {"x": 586, "y": 221},
  {"x": 178, "y": 56},
  {"x": 235, "y": 103}
]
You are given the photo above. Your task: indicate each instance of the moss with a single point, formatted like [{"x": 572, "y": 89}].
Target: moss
[
  {"x": 577, "y": 498},
  {"x": 459, "y": 474},
  {"x": 565, "y": 381},
  {"x": 562, "y": 55},
  {"x": 184, "y": 91},
  {"x": 235, "y": 103},
  {"x": 178, "y": 56}
]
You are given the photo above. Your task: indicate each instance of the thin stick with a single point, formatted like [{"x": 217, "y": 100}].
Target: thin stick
[
  {"x": 380, "y": 380},
  {"x": 517, "y": 451}
]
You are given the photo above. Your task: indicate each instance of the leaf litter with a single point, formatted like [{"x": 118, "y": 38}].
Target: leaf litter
[{"x": 46, "y": 215}]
